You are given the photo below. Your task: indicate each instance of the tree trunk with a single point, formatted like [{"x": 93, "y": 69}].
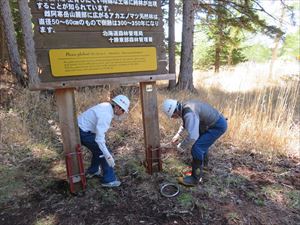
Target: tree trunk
[
  {"x": 2, "y": 43},
  {"x": 11, "y": 41},
  {"x": 185, "y": 79},
  {"x": 276, "y": 45},
  {"x": 218, "y": 44},
  {"x": 217, "y": 56},
  {"x": 172, "y": 63},
  {"x": 230, "y": 57}
]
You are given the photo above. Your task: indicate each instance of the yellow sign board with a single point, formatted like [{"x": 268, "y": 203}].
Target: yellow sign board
[{"x": 87, "y": 61}]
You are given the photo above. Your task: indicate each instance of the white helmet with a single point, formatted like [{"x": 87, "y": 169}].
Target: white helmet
[
  {"x": 169, "y": 107},
  {"x": 122, "y": 101}
]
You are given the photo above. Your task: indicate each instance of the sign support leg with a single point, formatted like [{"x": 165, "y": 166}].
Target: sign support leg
[
  {"x": 65, "y": 101},
  {"x": 148, "y": 94}
]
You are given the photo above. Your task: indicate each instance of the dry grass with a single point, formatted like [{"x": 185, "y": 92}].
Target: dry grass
[
  {"x": 265, "y": 118},
  {"x": 263, "y": 112}
]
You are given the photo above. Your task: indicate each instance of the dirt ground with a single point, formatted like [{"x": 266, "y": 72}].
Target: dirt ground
[{"x": 239, "y": 188}]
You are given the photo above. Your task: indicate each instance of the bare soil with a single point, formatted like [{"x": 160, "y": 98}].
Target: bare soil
[
  {"x": 235, "y": 191},
  {"x": 241, "y": 186}
]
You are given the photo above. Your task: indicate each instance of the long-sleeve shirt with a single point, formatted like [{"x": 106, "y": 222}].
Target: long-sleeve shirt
[
  {"x": 196, "y": 116},
  {"x": 97, "y": 120}
]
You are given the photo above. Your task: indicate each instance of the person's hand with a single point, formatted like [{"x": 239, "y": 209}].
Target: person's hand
[
  {"x": 175, "y": 139},
  {"x": 179, "y": 148},
  {"x": 110, "y": 160}
]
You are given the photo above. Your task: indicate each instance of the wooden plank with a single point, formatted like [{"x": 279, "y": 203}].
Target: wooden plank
[
  {"x": 44, "y": 60},
  {"x": 88, "y": 40},
  {"x": 46, "y": 77},
  {"x": 46, "y": 73},
  {"x": 86, "y": 36},
  {"x": 151, "y": 126},
  {"x": 65, "y": 101},
  {"x": 76, "y": 28},
  {"x": 113, "y": 8},
  {"x": 95, "y": 82},
  {"x": 96, "y": 27}
]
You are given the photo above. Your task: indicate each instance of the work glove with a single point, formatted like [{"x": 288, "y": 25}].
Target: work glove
[
  {"x": 110, "y": 160},
  {"x": 175, "y": 139},
  {"x": 179, "y": 148}
]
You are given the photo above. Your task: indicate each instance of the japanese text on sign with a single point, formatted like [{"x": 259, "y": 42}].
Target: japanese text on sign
[{"x": 98, "y": 13}]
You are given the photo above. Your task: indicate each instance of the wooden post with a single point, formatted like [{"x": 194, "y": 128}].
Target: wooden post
[
  {"x": 151, "y": 126},
  {"x": 65, "y": 101}
]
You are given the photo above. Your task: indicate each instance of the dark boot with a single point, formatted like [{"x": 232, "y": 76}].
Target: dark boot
[
  {"x": 196, "y": 177},
  {"x": 188, "y": 181},
  {"x": 197, "y": 170}
]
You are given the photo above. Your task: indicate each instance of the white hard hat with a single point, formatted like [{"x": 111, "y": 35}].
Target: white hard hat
[
  {"x": 122, "y": 101},
  {"x": 169, "y": 107}
]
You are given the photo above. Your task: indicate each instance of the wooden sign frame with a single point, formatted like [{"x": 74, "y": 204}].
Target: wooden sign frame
[
  {"x": 64, "y": 93},
  {"x": 34, "y": 70}
]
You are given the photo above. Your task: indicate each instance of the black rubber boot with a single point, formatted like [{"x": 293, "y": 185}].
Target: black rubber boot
[
  {"x": 197, "y": 170},
  {"x": 196, "y": 177},
  {"x": 188, "y": 181}
]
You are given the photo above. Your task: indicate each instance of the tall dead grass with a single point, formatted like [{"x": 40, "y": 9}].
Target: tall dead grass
[
  {"x": 260, "y": 121},
  {"x": 264, "y": 119},
  {"x": 263, "y": 113}
]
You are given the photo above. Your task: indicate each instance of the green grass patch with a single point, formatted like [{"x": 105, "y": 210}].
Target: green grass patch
[
  {"x": 234, "y": 181},
  {"x": 293, "y": 199},
  {"x": 10, "y": 183},
  {"x": 256, "y": 197},
  {"x": 185, "y": 200},
  {"x": 109, "y": 196},
  {"x": 135, "y": 169},
  {"x": 233, "y": 217},
  {"x": 277, "y": 193},
  {"x": 174, "y": 166}
]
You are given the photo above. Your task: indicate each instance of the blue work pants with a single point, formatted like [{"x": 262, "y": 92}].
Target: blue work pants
[
  {"x": 206, "y": 139},
  {"x": 88, "y": 140}
]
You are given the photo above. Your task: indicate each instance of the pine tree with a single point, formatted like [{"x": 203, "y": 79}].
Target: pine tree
[{"x": 11, "y": 41}]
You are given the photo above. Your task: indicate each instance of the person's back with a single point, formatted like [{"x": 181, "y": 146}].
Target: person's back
[
  {"x": 87, "y": 121},
  {"x": 207, "y": 115}
]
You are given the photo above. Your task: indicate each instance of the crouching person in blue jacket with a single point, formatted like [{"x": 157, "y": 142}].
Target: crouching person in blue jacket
[
  {"x": 204, "y": 125},
  {"x": 93, "y": 124}
]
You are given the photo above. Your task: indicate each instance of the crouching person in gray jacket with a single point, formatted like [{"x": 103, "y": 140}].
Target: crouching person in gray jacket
[
  {"x": 204, "y": 125},
  {"x": 93, "y": 124}
]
